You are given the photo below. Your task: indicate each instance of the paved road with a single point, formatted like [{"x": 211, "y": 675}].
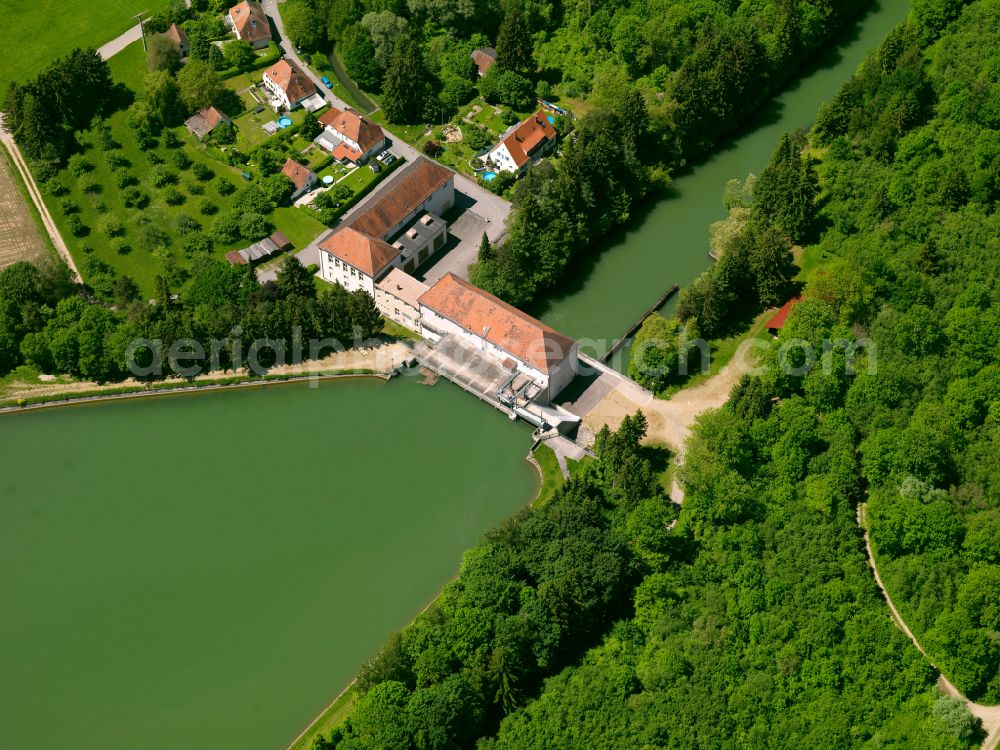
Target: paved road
[
  {"x": 36, "y": 198},
  {"x": 119, "y": 43}
]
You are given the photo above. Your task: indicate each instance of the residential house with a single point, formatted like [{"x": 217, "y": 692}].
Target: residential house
[
  {"x": 302, "y": 177},
  {"x": 485, "y": 58},
  {"x": 453, "y": 307},
  {"x": 203, "y": 122},
  {"x": 355, "y": 260},
  {"x": 523, "y": 144},
  {"x": 397, "y": 297},
  {"x": 250, "y": 24},
  {"x": 288, "y": 85},
  {"x": 180, "y": 39},
  {"x": 350, "y": 137},
  {"x": 778, "y": 320}
]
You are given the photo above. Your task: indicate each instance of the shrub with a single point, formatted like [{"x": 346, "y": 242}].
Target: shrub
[
  {"x": 476, "y": 138},
  {"x": 202, "y": 172},
  {"x": 543, "y": 90},
  {"x": 508, "y": 116},
  {"x": 89, "y": 185},
  {"x": 86, "y": 249},
  {"x": 116, "y": 159},
  {"x": 181, "y": 159},
  {"x": 152, "y": 238},
  {"x": 173, "y": 196},
  {"x": 226, "y": 228},
  {"x": 120, "y": 246},
  {"x": 75, "y": 226},
  {"x": 79, "y": 165},
  {"x": 187, "y": 224},
  {"x": 225, "y": 133},
  {"x": 194, "y": 188},
  {"x": 68, "y": 206},
  {"x": 433, "y": 149},
  {"x": 124, "y": 178},
  {"x": 112, "y": 226},
  {"x": 225, "y": 187},
  {"x": 207, "y": 207},
  {"x": 134, "y": 198},
  {"x": 195, "y": 242},
  {"x": 154, "y": 158},
  {"x": 104, "y": 139},
  {"x": 170, "y": 139},
  {"x": 254, "y": 226},
  {"x": 56, "y": 187},
  {"x": 162, "y": 176}
]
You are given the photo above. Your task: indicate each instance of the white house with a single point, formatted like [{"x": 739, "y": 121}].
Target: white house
[
  {"x": 514, "y": 338},
  {"x": 287, "y": 84},
  {"x": 523, "y": 143},
  {"x": 355, "y": 260},
  {"x": 248, "y": 22},
  {"x": 350, "y": 137},
  {"x": 302, "y": 177}
]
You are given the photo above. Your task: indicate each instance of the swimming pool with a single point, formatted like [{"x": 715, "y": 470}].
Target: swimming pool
[
  {"x": 552, "y": 119},
  {"x": 489, "y": 176},
  {"x": 284, "y": 122}
]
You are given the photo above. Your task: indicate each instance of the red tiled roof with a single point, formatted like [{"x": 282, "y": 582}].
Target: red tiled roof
[
  {"x": 235, "y": 258},
  {"x": 250, "y": 22},
  {"x": 176, "y": 34},
  {"x": 531, "y": 132},
  {"x": 298, "y": 174},
  {"x": 343, "y": 151},
  {"x": 777, "y": 322},
  {"x": 351, "y": 125},
  {"x": 485, "y": 58},
  {"x": 367, "y": 254},
  {"x": 418, "y": 182},
  {"x": 514, "y": 331},
  {"x": 204, "y": 121},
  {"x": 290, "y": 79}
]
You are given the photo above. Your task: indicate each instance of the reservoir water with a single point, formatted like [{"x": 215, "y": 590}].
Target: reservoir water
[
  {"x": 207, "y": 571},
  {"x": 667, "y": 242}
]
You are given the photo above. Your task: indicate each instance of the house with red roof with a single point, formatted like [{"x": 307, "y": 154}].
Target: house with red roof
[
  {"x": 287, "y": 84},
  {"x": 484, "y": 58},
  {"x": 778, "y": 320},
  {"x": 179, "y": 38},
  {"x": 302, "y": 178},
  {"x": 250, "y": 24},
  {"x": 523, "y": 144},
  {"x": 350, "y": 137}
]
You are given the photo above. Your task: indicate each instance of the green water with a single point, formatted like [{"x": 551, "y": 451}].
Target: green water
[
  {"x": 667, "y": 243},
  {"x": 206, "y": 571}
]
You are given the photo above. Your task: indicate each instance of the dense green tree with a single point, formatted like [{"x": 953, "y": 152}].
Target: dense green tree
[
  {"x": 405, "y": 88},
  {"x": 162, "y": 54},
  {"x": 514, "y": 44}
]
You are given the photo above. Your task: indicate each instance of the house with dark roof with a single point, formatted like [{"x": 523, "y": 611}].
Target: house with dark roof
[
  {"x": 484, "y": 58},
  {"x": 180, "y": 39},
  {"x": 203, "y": 122},
  {"x": 350, "y": 137},
  {"x": 287, "y": 84},
  {"x": 523, "y": 144},
  {"x": 302, "y": 177},
  {"x": 454, "y": 307},
  {"x": 250, "y": 24}
]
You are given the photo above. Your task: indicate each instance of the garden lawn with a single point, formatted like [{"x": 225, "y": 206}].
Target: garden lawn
[
  {"x": 129, "y": 67},
  {"x": 297, "y": 225},
  {"x": 39, "y": 31}
]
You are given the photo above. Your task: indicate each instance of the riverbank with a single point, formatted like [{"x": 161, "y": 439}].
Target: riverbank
[{"x": 379, "y": 361}]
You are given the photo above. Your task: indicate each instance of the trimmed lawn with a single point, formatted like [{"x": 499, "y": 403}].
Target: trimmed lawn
[
  {"x": 42, "y": 30},
  {"x": 129, "y": 67},
  {"x": 552, "y": 477},
  {"x": 297, "y": 225}
]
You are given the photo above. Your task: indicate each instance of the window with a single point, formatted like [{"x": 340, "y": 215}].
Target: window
[{"x": 396, "y": 312}]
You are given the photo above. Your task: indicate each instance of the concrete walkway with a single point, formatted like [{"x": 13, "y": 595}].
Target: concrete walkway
[{"x": 119, "y": 43}]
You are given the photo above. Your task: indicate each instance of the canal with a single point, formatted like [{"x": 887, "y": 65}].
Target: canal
[
  {"x": 205, "y": 571},
  {"x": 667, "y": 242}
]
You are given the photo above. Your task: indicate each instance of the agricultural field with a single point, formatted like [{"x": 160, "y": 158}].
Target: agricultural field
[
  {"x": 20, "y": 236},
  {"x": 45, "y": 29}
]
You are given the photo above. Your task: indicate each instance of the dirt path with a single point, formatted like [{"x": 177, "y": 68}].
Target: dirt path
[
  {"x": 36, "y": 198},
  {"x": 989, "y": 715}
]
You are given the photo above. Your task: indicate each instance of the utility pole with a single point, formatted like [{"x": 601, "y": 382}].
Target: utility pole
[{"x": 142, "y": 31}]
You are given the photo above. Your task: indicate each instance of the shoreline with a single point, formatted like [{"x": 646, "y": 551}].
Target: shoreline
[{"x": 332, "y": 708}]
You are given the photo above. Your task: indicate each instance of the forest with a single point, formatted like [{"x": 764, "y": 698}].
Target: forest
[
  {"x": 54, "y": 325},
  {"x": 748, "y": 616},
  {"x": 660, "y": 83}
]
